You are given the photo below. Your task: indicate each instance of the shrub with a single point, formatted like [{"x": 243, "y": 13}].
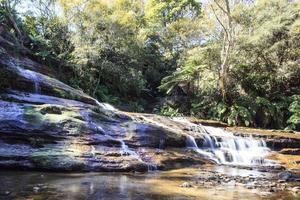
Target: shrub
[
  {"x": 239, "y": 115},
  {"x": 294, "y": 108},
  {"x": 168, "y": 111}
]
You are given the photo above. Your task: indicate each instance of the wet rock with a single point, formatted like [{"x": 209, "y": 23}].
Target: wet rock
[
  {"x": 281, "y": 181},
  {"x": 60, "y": 135},
  {"x": 290, "y": 151},
  {"x": 272, "y": 189},
  {"x": 186, "y": 185},
  {"x": 296, "y": 190},
  {"x": 250, "y": 187},
  {"x": 36, "y": 189},
  {"x": 51, "y": 110},
  {"x": 265, "y": 194},
  {"x": 5, "y": 193},
  {"x": 285, "y": 176}
]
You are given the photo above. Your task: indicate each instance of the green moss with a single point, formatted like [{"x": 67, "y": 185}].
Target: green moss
[
  {"x": 64, "y": 94},
  {"x": 33, "y": 116},
  {"x": 56, "y": 160},
  {"x": 51, "y": 110},
  {"x": 53, "y": 117}
]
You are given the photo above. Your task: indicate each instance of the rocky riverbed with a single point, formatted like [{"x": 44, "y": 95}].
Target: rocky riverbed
[
  {"x": 266, "y": 181},
  {"x": 203, "y": 182}
]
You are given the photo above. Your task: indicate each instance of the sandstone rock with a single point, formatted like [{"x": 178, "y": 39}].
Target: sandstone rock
[
  {"x": 68, "y": 135},
  {"x": 292, "y": 151}
]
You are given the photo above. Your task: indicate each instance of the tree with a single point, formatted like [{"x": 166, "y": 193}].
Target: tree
[
  {"x": 227, "y": 43},
  {"x": 10, "y": 20}
]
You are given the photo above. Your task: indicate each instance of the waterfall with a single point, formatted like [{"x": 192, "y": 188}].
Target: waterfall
[
  {"x": 223, "y": 147},
  {"x": 37, "y": 88},
  {"x": 29, "y": 75},
  {"x": 230, "y": 149},
  {"x": 125, "y": 150},
  {"x": 190, "y": 142},
  {"x": 106, "y": 106},
  {"x": 32, "y": 76}
]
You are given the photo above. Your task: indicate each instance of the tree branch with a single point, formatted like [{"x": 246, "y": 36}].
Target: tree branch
[
  {"x": 221, "y": 7},
  {"x": 223, "y": 26}
]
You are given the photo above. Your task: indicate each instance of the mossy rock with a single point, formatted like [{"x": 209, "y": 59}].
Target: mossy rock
[
  {"x": 51, "y": 110},
  {"x": 55, "y": 160},
  {"x": 58, "y": 119}
]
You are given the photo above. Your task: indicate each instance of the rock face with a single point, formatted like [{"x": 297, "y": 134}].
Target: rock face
[
  {"x": 47, "y": 125},
  {"x": 63, "y": 135}
]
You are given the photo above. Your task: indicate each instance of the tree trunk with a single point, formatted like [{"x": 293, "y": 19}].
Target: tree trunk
[
  {"x": 11, "y": 18},
  {"x": 226, "y": 46}
]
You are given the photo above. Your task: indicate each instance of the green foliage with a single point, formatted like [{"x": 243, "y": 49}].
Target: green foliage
[
  {"x": 49, "y": 39},
  {"x": 123, "y": 51},
  {"x": 239, "y": 115},
  {"x": 136, "y": 107},
  {"x": 219, "y": 111},
  {"x": 294, "y": 108},
  {"x": 197, "y": 72},
  {"x": 263, "y": 67},
  {"x": 103, "y": 94},
  {"x": 235, "y": 114},
  {"x": 168, "y": 111},
  {"x": 168, "y": 11}
]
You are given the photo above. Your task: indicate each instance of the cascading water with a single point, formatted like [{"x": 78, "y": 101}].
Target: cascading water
[
  {"x": 125, "y": 151},
  {"x": 191, "y": 144},
  {"x": 30, "y": 75},
  {"x": 106, "y": 106},
  {"x": 34, "y": 78},
  {"x": 224, "y": 148},
  {"x": 236, "y": 150}
]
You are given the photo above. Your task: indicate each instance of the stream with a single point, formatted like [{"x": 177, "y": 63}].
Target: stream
[{"x": 153, "y": 185}]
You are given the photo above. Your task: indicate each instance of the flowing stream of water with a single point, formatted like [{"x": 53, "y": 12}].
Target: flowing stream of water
[
  {"x": 125, "y": 150},
  {"x": 34, "y": 78},
  {"x": 31, "y": 76},
  {"x": 223, "y": 147}
]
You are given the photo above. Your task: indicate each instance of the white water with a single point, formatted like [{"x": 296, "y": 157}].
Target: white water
[
  {"x": 35, "y": 79},
  {"x": 30, "y": 75},
  {"x": 223, "y": 147},
  {"x": 125, "y": 150},
  {"x": 106, "y": 106},
  {"x": 190, "y": 142}
]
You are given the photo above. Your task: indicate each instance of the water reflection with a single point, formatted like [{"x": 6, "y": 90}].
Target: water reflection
[{"x": 156, "y": 185}]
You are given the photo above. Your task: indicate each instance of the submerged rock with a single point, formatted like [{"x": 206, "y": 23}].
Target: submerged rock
[
  {"x": 186, "y": 185},
  {"x": 296, "y": 190},
  {"x": 285, "y": 175}
]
